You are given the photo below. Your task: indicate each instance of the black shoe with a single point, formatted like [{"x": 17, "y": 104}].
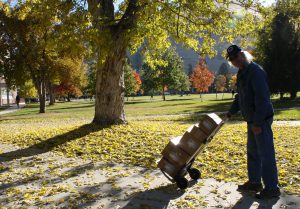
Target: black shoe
[
  {"x": 268, "y": 193},
  {"x": 250, "y": 187}
]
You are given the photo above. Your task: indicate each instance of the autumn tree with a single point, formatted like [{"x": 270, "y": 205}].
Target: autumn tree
[
  {"x": 220, "y": 84},
  {"x": 27, "y": 90},
  {"x": 154, "y": 24},
  {"x": 232, "y": 82},
  {"x": 35, "y": 31},
  {"x": 201, "y": 77},
  {"x": 132, "y": 80},
  {"x": 114, "y": 31},
  {"x": 71, "y": 77}
]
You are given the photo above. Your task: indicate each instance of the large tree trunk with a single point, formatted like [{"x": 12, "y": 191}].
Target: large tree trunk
[
  {"x": 110, "y": 90},
  {"x": 115, "y": 37}
]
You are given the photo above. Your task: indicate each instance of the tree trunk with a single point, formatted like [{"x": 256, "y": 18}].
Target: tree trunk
[
  {"x": 69, "y": 98},
  {"x": 293, "y": 94},
  {"x": 51, "y": 94},
  {"x": 281, "y": 95},
  {"x": 7, "y": 96},
  {"x": 163, "y": 93},
  {"x": 42, "y": 96},
  {"x": 110, "y": 90}
]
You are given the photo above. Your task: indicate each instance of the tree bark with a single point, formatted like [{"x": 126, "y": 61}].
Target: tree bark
[
  {"x": 69, "y": 98},
  {"x": 281, "y": 95},
  {"x": 51, "y": 94},
  {"x": 115, "y": 37},
  {"x": 293, "y": 94},
  {"x": 7, "y": 96},
  {"x": 163, "y": 93},
  {"x": 110, "y": 89},
  {"x": 42, "y": 96}
]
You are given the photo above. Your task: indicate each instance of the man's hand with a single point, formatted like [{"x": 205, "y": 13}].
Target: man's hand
[
  {"x": 228, "y": 116},
  {"x": 256, "y": 129}
]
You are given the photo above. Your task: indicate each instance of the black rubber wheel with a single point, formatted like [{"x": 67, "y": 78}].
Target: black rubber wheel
[
  {"x": 194, "y": 173},
  {"x": 182, "y": 182}
]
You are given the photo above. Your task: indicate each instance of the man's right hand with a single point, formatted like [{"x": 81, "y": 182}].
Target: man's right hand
[{"x": 228, "y": 116}]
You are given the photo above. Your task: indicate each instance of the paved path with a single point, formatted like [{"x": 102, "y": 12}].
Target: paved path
[
  {"x": 49, "y": 180},
  {"x": 12, "y": 108}
]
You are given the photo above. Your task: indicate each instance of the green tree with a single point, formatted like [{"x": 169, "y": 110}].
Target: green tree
[
  {"x": 184, "y": 83},
  {"x": 169, "y": 74},
  {"x": 278, "y": 48}
]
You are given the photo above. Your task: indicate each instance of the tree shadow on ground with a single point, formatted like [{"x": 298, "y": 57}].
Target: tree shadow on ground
[
  {"x": 154, "y": 198},
  {"x": 247, "y": 200},
  {"x": 71, "y": 107},
  {"x": 51, "y": 143}
]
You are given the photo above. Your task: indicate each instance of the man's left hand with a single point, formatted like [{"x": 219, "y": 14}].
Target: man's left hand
[{"x": 256, "y": 130}]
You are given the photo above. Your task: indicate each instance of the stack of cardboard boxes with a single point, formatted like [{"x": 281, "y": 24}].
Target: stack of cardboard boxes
[{"x": 182, "y": 149}]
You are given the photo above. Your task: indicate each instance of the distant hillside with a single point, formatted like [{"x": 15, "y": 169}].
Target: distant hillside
[{"x": 190, "y": 59}]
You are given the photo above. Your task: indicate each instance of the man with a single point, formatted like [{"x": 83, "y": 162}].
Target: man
[
  {"x": 253, "y": 100},
  {"x": 18, "y": 100}
]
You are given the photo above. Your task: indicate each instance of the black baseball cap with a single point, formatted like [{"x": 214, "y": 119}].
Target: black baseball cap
[{"x": 232, "y": 51}]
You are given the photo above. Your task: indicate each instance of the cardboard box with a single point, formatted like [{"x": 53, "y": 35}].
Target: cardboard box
[
  {"x": 190, "y": 143},
  {"x": 174, "y": 154},
  {"x": 209, "y": 123},
  {"x": 168, "y": 167},
  {"x": 198, "y": 133}
]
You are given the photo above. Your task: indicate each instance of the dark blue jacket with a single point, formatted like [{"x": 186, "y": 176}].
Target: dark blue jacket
[{"x": 253, "y": 98}]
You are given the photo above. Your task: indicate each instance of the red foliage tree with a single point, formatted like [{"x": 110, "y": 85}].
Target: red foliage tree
[
  {"x": 138, "y": 80},
  {"x": 67, "y": 90},
  {"x": 201, "y": 77}
]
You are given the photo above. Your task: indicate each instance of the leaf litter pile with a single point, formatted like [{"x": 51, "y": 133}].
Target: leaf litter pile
[{"x": 140, "y": 142}]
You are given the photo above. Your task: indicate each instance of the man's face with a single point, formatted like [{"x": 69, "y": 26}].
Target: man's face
[{"x": 238, "y": 60}]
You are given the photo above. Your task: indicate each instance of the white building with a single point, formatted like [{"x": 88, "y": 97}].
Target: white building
[{"x": 3, "y": 94}]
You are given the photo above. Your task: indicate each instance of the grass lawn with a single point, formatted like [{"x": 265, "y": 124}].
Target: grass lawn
[
  {"x": 143, "y": 106},
  {"x": 66, "y": 129},
  {"x": 3, "y": 108}
]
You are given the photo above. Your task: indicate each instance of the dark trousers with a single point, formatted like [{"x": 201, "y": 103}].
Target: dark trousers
[{"x": 261, "y": 160}]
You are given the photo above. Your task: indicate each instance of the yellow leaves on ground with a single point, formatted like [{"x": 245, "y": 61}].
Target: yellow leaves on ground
[{"x": 141, "y": 142}]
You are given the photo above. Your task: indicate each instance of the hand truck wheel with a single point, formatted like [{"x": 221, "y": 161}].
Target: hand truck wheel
[
  {"x": 181, "y": 182},
  {"x": 194, "y": 173}
]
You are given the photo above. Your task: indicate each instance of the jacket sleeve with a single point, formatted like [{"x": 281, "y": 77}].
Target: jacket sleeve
[
  {"x": 235, "y": 105},
  {"x": 261, "y": 96}
]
